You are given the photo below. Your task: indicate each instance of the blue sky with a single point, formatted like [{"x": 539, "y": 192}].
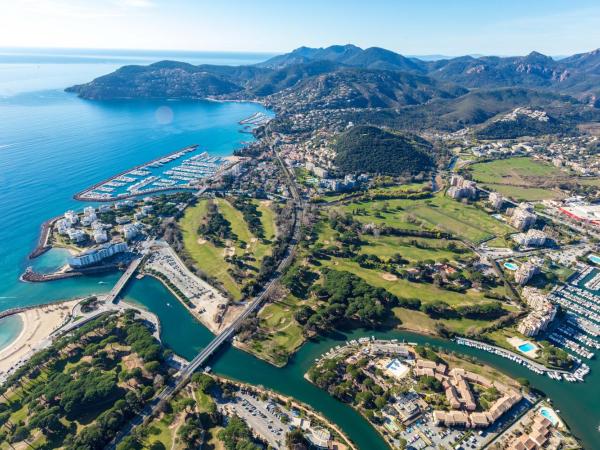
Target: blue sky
[{"x": 418, "y": 27}]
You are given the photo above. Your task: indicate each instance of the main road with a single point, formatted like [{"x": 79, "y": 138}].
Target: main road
[{"x": 185, "y": 374}]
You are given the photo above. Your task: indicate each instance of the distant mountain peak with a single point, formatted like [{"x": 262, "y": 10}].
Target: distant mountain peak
[{"x": 351, "y": 55}]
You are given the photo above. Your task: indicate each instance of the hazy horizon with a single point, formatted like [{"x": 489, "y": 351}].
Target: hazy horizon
[
  {"x": 127, "y": 52},
  {"x": 552, "y": 27}
]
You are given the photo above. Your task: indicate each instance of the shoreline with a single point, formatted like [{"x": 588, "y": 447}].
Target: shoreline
[
  {"x": 295, "y": 402},
  {"x": 38, "y": 324},
  {"x": 194, "y": 314}
]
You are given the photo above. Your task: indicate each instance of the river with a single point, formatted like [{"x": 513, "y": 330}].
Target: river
[
  {"x": 53, "y": 144},
  {"x": 578, "y": 402}
]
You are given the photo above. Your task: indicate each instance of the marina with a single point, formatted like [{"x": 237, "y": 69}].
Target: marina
[{"x": 182, "y": 169}]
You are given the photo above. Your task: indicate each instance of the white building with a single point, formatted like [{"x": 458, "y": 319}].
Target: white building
[
  {"x": 123, "y": 204},
  {"x": 533, "y": 238},
  {"x": 100, "y": 236},
  {"x": 95, "y": 256},
  {"x": 71, "y": 217},
  {"x": 76, "y": 235},
  {"x": 63, "y": 226},
  {"x": 131, "y": 230},
  {"x": 122, "y": 220},
  {"x": 461, "y": 188},
  {"x": 496, "y": 200},
  {"x": 542, "y": 312},
  {"x": 525, "y": 272},
  {"x": 523, "y": 216}
]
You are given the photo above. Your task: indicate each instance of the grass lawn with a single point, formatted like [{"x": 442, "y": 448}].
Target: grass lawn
[
  {"x": 161, "y": 431},
  {"x": 420, "y": 322},
  {"x": 404, "y": 288},
  {"x": 498, "y": 242},
  {"x": 518, "y": 177},
  {"x": 212, "y": 442},
  {"x": 524, "y": 194},
  {"x": 387, "y": 246},
  {"x": 465, "y": 221},
  {"x": 284, "y": 334},
  {"x": 204, "y": 401},
  {"x": 210, "y": 258},
  {"x": 267, "y": 218}
]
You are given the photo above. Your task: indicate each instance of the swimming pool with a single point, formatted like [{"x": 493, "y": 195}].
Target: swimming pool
[
  {"x": 526, "y": 347},
  {"x": 594, "y": 258},
  {"x": 549, "y": 414},
  {"x": 511, "y": 266}
]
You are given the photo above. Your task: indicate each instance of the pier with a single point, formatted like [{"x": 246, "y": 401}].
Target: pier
[
  {"x": 35, "y": 277},
  {"x": 81, "y": 195}
]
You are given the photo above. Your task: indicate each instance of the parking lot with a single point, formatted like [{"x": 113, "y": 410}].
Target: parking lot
[
  {"x": 423, "y": 434},
  {"x": 262, "y": 417}
]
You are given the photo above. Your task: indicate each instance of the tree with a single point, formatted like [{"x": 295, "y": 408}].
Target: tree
[
  {"x": 129, "y": 443},
  {"x": 295, "y": 440}
]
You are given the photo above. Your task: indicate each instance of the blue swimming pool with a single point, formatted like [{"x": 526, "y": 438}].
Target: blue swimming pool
[
  {"x": 594, "y": 258},
  {"x": 527, "y": 347},
  {"x": 549, "y": 414},
  {"x": 511, "y": 266}
]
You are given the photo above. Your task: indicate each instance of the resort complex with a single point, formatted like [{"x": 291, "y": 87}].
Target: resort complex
[{"x": 351, "y": 249}]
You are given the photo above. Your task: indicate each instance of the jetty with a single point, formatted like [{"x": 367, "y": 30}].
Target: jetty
[
  {"x": 36, "y": 277},
  {"x": 42, "y": 245},
  {"x": 86, "y": 194}
]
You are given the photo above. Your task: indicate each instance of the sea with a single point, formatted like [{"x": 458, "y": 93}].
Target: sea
[{"x": 53, "y": 144}]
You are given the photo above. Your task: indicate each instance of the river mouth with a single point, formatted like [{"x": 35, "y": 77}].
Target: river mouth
[{"x": 186, "y": 337}]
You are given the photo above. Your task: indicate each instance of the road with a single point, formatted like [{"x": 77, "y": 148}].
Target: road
[
  {"x": 182, "y": 378},
  {"x": 555, "y": 218},
  {"x": 117, "y": 288}
]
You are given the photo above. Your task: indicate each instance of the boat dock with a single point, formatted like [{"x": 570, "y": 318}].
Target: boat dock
[{"x": 104, "y": 191}]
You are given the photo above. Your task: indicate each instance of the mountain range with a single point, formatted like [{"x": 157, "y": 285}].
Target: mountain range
[{"x": 464, "y": 90}]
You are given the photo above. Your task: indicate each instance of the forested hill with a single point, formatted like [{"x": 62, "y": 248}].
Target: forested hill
[
  {"x": 373, "y": 150},
  {"x": 379, "y": 87}
]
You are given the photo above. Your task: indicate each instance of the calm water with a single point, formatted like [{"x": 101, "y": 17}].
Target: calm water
[
  {"x": 53, "y": 144},
  {"x": 578, "y": 402}
]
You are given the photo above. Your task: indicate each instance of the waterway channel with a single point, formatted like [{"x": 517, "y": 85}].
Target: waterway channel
[{"x": 579, "y": 403}]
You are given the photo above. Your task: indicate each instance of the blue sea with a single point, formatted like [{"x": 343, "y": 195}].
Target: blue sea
[{"x": 53, "y": 144}]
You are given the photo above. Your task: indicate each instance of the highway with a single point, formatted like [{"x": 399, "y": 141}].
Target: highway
[{"x": 183, "y": 377}]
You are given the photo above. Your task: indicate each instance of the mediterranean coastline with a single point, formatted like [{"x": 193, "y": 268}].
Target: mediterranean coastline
[{"x": 190, "y": 308}]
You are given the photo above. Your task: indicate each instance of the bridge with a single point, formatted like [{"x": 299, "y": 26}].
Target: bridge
[
  {"x": 184, "y": 376},
  {"x": 117, "y": 288}
]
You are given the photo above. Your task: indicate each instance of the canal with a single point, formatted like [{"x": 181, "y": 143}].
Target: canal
[{"x": 579, "y": 403}]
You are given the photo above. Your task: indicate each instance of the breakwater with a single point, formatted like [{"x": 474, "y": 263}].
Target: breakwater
[
  {"x": 42, "y": 245},
  {"x": 81, "y": 195},
  {"x": 36, "y": 277}
]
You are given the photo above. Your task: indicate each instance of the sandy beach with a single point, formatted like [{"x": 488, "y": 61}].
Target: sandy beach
[{"x": 38, "y": 324}]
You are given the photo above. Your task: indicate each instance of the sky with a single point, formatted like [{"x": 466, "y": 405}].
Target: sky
[{"x": 417, "y": 27}]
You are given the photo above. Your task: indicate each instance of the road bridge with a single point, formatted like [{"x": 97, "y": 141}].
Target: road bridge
[
  {"x": 117, "y": 288},
  {"x": 185, "y": 374}
]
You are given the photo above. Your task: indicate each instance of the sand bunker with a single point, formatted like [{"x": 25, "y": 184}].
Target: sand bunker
[{"x": 389, "y": 277}]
